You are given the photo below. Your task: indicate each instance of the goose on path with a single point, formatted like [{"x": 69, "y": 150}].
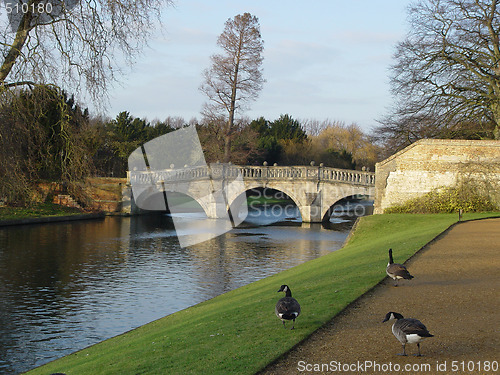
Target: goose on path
[
  {"x": 407, "y": 330},
  {"x": 396, "y": 271},
  {"x": 287, "y": 308}
]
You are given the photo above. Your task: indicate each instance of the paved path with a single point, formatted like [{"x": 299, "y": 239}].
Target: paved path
[{"x": 455, "y": 293}]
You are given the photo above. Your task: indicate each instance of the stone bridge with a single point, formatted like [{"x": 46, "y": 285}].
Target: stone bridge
[{"x": 314, "y": 189}]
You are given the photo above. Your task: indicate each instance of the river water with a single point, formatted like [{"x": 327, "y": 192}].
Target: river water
[{"x": 69, "y": 285}]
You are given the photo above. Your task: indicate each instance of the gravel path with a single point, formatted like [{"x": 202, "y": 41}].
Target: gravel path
[{"x": 455, "y": 293}]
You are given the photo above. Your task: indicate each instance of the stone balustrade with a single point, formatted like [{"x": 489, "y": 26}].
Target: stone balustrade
[{"x": 219, "y": 171}]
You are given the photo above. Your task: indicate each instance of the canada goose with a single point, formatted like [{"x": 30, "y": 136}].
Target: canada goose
[
  {"x": 287, "y": 308},
  {"x": 407, "y": 330},
  {"x": 396, "y": 271}
]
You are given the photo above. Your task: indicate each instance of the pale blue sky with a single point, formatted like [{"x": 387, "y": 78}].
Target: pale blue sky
[{"x": 322, "y": 59}]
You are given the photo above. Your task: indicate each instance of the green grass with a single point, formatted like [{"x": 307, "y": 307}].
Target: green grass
[
  {"x": 256, "y": 199},
  {"x": 237, "y": 332},
  {"x": 35, "y": 211}
]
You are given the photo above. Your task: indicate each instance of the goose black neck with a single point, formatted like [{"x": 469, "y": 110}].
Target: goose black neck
[
  {"x": 391, "y": 260},
  {"x": 288, "y": 292}
]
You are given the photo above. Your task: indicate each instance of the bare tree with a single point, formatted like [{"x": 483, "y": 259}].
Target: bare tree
[
  {"x": 73, "y": 44},
  {"x": 337, "y": 136},
  {"x": 235, "y": 77},
  {"x": 48, "y": 47},
  {"x": 446, "y": 78}
]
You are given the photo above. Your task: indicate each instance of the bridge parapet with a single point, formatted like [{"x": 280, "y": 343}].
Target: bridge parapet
[
  {"x": 307, "y": 173},
  {"x": 168, "y": 175},
  {"x": 224, "y": 171}
]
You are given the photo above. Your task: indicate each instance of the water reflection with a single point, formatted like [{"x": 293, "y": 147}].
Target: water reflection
[{"x": 66, "y": 286}]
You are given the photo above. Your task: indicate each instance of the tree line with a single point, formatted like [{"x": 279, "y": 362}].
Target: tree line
[{"x": 46, "y": 135}]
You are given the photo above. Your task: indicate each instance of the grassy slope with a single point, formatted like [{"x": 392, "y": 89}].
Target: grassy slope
[
  {"x": 37, "y": 210},
  {"x": 238, "y": 332}
]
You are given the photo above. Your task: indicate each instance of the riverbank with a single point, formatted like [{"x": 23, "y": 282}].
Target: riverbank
[
  {"x": 237, "y": 332},
  {"x": 42, "y": 213},
  {"x": 454, "y": 293},
  {"x": 52, "y": 219}
]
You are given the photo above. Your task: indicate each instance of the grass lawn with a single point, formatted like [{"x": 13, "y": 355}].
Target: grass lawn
[
  {"x": 255, "y": 200},
  {"x": 237, "y": 332},
  {"x": 36, "y": 210}
]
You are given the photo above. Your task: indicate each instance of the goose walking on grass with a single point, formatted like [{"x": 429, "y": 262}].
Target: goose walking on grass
[
  {"x": 287, "y": 308},
  {"x": 407, "y": 330},
  {"x": 396, "y": 271}
]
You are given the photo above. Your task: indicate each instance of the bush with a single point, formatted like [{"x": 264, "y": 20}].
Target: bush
[{"x": 468, "y": 196}]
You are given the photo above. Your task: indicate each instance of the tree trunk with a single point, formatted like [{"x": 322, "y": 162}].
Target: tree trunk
[
  {"x": 495, "y": 108},
  {"x": 227, "y": 149},
  {"x": 15, "y": 50},
  {"x": 232, "y": 110}
]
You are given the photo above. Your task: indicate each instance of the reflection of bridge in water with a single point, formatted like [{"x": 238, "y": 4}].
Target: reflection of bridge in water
[{"x": 314, "y": 190}]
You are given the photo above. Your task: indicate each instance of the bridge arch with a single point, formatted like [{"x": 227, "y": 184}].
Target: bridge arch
[
  {"x": 155, "y": 200},
  {"x": 326, "y": 214},
  {"x": 235, "y": 200}
]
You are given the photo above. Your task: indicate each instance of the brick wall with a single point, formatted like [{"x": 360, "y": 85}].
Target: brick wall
[
  {"x": 433, "y": 163},
  {"x": 105, "y": 193}
]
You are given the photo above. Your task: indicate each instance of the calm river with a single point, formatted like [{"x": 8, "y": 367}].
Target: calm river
[{"x": 70, "y": 285}]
